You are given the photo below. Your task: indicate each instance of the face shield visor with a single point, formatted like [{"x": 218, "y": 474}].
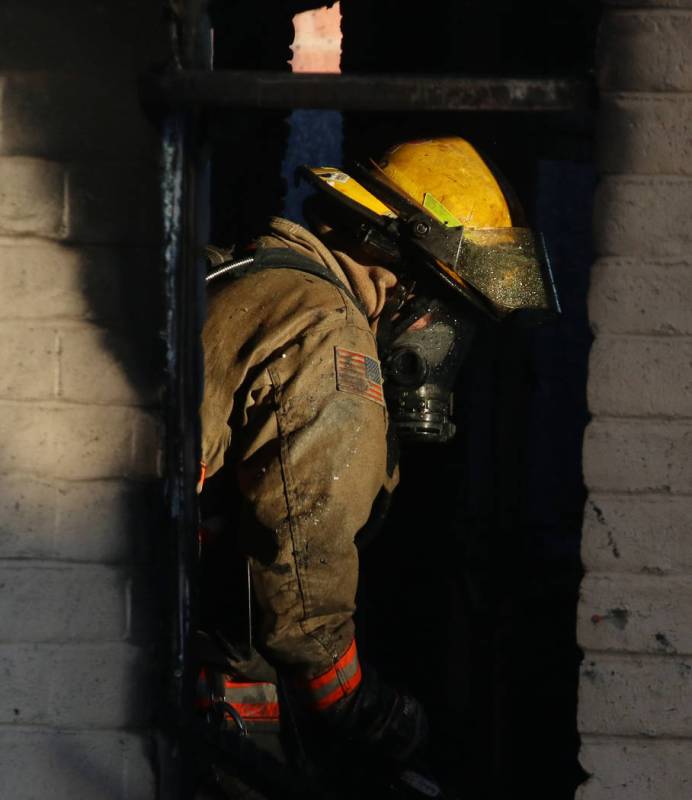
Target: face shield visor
[{"x": 502, "y": 271}]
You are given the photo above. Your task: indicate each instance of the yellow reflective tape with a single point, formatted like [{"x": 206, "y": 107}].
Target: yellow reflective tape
[{"x": 346, "y": 185}]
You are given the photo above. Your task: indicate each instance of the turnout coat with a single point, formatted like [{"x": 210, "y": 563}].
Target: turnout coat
[{"x": 293, "y": 412}]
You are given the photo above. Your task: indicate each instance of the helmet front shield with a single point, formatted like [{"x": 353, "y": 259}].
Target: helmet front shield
[
  {"x": 503, "y": 271},
  {"x": 509, "y": 268}
]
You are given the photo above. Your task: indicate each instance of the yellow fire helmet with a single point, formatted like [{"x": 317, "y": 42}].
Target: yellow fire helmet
[{"x": 438, "y": 202}]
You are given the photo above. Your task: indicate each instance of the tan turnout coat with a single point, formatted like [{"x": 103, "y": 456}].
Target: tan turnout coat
[{"x": 308, "y": 457}]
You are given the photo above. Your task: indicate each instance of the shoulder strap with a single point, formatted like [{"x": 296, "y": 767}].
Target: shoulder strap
[{"x": 284, "y": 258}]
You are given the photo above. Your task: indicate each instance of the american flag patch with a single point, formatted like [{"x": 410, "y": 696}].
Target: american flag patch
[{"x": 358, "y": 374}]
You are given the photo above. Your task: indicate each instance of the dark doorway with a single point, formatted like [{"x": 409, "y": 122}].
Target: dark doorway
[{"x": 470, "y": 593}]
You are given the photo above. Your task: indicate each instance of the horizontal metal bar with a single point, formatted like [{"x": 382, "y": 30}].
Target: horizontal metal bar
[{"x": 359, "y": 92}]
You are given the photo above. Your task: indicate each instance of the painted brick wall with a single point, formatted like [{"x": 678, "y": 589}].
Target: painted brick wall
[
  {"x": 80, "y": 377},
  {"x": 635, "y": 614}
]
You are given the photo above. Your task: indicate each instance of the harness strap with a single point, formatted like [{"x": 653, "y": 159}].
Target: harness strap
[{"x": 283, "y": 258}]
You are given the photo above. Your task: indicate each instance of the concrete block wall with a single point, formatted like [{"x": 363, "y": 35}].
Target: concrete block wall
[
  {"x": 81, "y": 371},
  {"x": 635, "y": 613}
]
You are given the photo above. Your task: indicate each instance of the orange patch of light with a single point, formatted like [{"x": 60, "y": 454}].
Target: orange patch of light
[{"x": 317, "y": 43}]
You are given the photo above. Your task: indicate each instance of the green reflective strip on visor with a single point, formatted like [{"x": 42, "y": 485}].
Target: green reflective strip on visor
[{"x": 435, "y": 207}]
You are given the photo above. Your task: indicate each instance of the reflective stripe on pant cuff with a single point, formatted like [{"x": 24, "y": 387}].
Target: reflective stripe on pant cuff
[{"x": 337, "y": 682}]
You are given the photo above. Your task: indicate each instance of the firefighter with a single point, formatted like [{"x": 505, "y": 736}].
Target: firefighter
[{"x": 320, "y": 347}]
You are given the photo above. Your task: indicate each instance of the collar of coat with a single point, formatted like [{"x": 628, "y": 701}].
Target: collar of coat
[{"x": 369, "y": 281}]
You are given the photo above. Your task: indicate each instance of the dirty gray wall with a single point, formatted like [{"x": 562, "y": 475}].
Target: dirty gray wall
[
  {"x": 635, "y": 615},
  {"x": 80, "y": 377}
]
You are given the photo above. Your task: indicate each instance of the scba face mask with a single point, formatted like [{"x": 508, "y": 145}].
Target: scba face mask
[{"x": 422, "y": 348}]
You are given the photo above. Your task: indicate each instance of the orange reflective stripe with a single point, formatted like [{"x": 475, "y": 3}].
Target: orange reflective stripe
[
  {"x": 351, "y": 684},
  {"x": 229, "y": 683},
  {"x": 202, "y": 476},
  {"x": 343, "y": 690},
  {"x": 257, "y": 711},
  {"x": 337, "y": 682},
  {"x": 254, "y": 701},
  {"x": 347, "y": 657},
  {"x": 331, "y": 674}
]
